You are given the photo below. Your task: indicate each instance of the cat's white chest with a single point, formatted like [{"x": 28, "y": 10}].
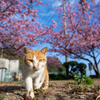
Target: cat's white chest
[{"x": 38, "y": 73}]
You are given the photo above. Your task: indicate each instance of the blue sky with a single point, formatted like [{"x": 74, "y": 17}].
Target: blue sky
[{"x": 46, "y": 14}]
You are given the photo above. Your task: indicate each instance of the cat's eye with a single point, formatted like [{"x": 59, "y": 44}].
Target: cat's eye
[
  {"x": 30, "y": 60},
  {"x": 40, "y": 60}
]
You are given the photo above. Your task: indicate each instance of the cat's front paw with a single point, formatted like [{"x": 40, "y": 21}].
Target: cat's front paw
[
  {"x": 45, "y": 88},
  {"x": 32, "y": 95},
  {"x": 37, "y": 87},
  {"x": 27, "y": 97}
]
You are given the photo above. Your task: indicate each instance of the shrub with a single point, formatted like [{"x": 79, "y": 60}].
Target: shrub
[
  {"x": 83, "y": 80},
  {"x": 57, "y": 77}
]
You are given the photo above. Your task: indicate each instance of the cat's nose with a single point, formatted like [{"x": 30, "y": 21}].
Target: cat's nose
[{"x": 34, "y": 67}]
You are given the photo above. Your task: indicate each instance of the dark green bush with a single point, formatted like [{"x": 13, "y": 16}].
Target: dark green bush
[
  {"x": 52, "y": 76},
  {"x": 57, "y": 77}
]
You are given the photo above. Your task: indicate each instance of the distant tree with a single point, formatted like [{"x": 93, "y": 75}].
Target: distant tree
[
  {"x": 73, "y": 67},
  {"x": 60, "y": 70},
  {"x": 53, "y": 61},
  {"x": 82, "y": 68},
  {"x": 54, "y": 64}
]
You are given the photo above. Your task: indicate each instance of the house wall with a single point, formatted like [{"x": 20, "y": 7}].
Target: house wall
[
  {"x": 11, "y": 65},
  {"x": 2, "y": 74},
  {"x": 4, "y": 63},
  {"x": 14, "y": 65}
]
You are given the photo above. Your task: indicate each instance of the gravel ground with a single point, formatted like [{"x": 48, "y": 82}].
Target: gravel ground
[{"x": 58, "y": 90}]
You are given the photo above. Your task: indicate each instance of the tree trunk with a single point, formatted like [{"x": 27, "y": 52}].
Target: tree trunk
[
  {"x": 96, "y": 70},
  {"x": 67, "y": 72},
  {"x": 97, "y": 74}
]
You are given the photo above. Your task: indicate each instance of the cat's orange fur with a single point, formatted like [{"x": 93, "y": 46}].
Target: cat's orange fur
[{"x": 35, "y": 71}]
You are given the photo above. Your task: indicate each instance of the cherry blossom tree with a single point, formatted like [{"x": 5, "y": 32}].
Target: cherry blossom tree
[
  {"x": 18, "y": 27},
  {"x": 83, "y": 32},
  {"x": 53, "y": 62}
]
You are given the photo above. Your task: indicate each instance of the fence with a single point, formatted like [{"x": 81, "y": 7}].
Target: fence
[
  {"x": 56, "y": 73},
  {"x": 11, "y": 75},
  {"x": 8, "y": 75}
]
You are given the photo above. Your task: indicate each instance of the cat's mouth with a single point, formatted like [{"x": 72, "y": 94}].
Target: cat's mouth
[{"x": 35, "y": 68}]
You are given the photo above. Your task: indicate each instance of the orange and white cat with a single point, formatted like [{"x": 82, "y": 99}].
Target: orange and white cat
[{"x": 35, "y": 70}]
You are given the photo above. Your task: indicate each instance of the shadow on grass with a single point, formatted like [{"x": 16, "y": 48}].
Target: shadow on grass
[
  {"x": 59, "y": 97},
  {"x": 11, "y": 88},
  {"x": 18, "y": 90},
  {"x": 12, "y": 91}
]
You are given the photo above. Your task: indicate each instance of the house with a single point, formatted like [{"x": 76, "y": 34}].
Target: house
[{"x": 9, "y": 69}]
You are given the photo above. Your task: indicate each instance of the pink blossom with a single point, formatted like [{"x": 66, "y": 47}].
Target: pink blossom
[
  {"x": 82, "y": 33},
  {"x": 53, "y": 62},
  {"x": 15, "y": 26}
]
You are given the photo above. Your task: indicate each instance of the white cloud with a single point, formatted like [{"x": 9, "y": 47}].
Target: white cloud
[
  {"x": 50, "y": 13},
  {"x": 97, "y": 1},
  {"x": 59, "y": 3},
  {"x": 56, "y": 4}
]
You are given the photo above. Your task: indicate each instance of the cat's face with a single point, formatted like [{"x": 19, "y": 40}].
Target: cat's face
[{"x": 36, "y": 59}]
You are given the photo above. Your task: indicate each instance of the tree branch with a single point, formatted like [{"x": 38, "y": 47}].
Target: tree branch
[{"x": 83, "y": 59}]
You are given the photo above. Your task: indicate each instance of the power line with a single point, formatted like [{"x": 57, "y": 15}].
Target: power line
[
  {"x": 47, "y": 12},
  {"x": 50, "y": 18}
]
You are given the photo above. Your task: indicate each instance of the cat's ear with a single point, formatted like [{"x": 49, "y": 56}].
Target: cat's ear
[
  {"x": 26, "y": 50},
  {"x": 44, "y": 50}
]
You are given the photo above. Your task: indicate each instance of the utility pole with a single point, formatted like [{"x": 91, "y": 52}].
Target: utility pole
[{"x": 65, "y": 31}]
